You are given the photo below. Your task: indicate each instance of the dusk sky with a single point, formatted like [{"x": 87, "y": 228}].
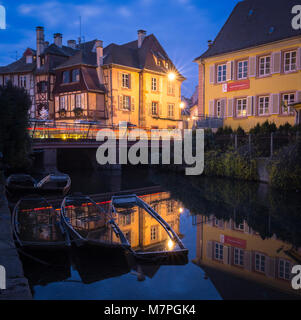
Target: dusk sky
[{"x": 183, "y": 27}]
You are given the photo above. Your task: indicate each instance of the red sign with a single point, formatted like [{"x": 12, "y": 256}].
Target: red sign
[
  {"x": 235, "y": 86},
  {"x": 234, "y": 242}
]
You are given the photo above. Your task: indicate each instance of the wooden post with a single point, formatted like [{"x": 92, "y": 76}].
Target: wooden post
[
  {"x": 272, "y": 144},
  {"x": 236, "y": 142},
  {"x": 250, "y": 143}
]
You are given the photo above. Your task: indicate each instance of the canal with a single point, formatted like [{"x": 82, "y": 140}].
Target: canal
[{"x": 243, "y": 240}]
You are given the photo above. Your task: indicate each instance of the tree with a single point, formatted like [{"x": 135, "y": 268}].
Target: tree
[{"x": 14, "y": 122}]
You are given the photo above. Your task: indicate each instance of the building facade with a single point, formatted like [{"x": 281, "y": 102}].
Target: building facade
[
  {"x": 134, "y": 83},
  {"x": 251, "y": 73}
]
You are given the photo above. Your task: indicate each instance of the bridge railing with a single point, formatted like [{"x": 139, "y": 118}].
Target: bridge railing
[{"x": 84, "y": 130}]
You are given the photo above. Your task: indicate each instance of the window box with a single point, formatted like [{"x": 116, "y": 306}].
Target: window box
[{"x": 78, "y": 112}]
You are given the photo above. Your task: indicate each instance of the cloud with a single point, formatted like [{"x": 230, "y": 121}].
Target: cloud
[{"x": 124, "y": 12}]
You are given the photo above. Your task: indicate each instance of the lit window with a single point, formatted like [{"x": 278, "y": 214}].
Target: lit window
[
  {"x": 264, "y": 66},
  {"x": 260, "y": 261},
  {"x": 239, "y": 226},
  {"x": 287, "y": 100},
  {"x": 63, "y": 103},
  {"x": 238, "y": 257},
  {"x": 170, "y": 207},
  {"x": 154, "y": 84},
  {"x": 284, "y": 269},
  {"x": 75, "y": 75},
  {"x": 171, "y": 110},
  {"x": 126, "y": 102},
  {"x": 66, "y": 77},
  {"x": 222, "y": 73},
  {"x": 242, "y": 70},
  {"x": 264, "y": 103},
  {"x": 125, "y": 80},
  {"x": 219, "y": 251},
  {"x": 154, "y": 108},
  {"x": 154, "y": 233},
  {"x": 241, "y": 107},
  {"x": 290, "y": 61}
]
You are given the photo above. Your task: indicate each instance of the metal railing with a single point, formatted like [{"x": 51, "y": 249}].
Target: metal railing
[{"x": 208, "y": 122}]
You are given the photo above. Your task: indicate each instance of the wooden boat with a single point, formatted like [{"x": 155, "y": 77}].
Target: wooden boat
[
  {"x": 24, "y": 183},
  {"x": 156, "y": 239},
  {"x": 37, "y": 226},
  {"x": 89, "y": 226}
]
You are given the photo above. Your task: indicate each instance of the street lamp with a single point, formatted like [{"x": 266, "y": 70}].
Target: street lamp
[{"x": 171, "y": 76}]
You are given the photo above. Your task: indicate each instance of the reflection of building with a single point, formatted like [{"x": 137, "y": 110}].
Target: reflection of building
[
  {"x": 144, "y": 232},
  {"x": 251, "y": 79},
  {"x": 240, "y": 263}
]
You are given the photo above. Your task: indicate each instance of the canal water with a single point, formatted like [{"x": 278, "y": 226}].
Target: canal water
[{"x": 243, "y": 240}]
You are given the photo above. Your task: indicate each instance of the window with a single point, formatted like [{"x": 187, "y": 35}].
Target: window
[
  {"x": 219, "y": 251},
  {"x": 171, "y": 110},
  {"x": 242, "y": 70},
  {"x": 63, "y": 103},
  {"x": 125, "y": 220},
  {"x": 287, "y": 99},
  {"x": 219, "y": 108},
  {"x": 170, "y": 88},
  {"x": 125, "y": 80},
  {"x": 264, "y": 66},
  {"x": 66, "y": 77},
  {"x": 154, "y": 233},
  {"x": 222, "y": 73},
  {"x": 264, "y": 103},
  {"x": 23, "y": 81},
  {"x": 126, "y": 103},
  {"x": 170, "y": 207},
  {"x": 78, "y": 101},
  {"x": 42, "y": 87},
  {"x": 241, "y": 107},
  {"x": 154, "y": 108},
  {"x": 239, "y": 226},
  {"x": 154, "y": 84},
  {"x": 260, "y": 262},
  {"x": 216, "y": 222},
  {"x": 284, "y": 269},
  {"x": 290, "y": 61},
  {"x": 75, "y": 75},
  {"x": 166, "y": 65},
  {"x": 238, "y": 257}
]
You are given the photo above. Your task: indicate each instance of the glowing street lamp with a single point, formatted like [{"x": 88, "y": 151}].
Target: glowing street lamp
[
  {"x": 171, "y": 76},
  {"x": 182, "y": 105}
]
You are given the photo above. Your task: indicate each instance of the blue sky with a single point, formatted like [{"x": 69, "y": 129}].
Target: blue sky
[{"x": 183, "y": 27}]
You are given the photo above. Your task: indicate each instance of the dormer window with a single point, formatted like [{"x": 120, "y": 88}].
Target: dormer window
[
  {"x": 28, "y": 59},
  {"x": 66, "y": 77},
  {"x": 75, "y": 75}
]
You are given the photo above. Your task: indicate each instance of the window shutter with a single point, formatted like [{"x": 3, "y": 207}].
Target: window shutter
[
  {"x": 149, "y": 108},
  {"x": 130, "y": 81},
  {"x": 209, "y": 250},
  {"x": 229, "y": 70},
  {"x": 226, "y": 255},
  {"x": 252, "y": 67},
  {"x": 161, "y": 85},
  {"x": 160, "y": 107},
  {"x": 120, "y": 103},
  {"x": 211, "y": 108},
  {"x": 132, "y": 104},
  {"x": 275, "y": 103},
  {"x": 248, "y": 260},
  {"x": 212, "y": 75},
  {"x": 276, "y": 62},
  {"x": 270, "y": 270},
  {"x": 299, "y": 59},
  {"x": 250, "y": 106},
  {"x": 119, "y": 79},
  {"x": 221, "y": 224},
  {"x": 16, "y": 81},
  {"x": 246, "y": 228},
  {"x": 230, "y": 108},
  {"x": 229, "y": 225},
  {"x": 298, "y": 96}
]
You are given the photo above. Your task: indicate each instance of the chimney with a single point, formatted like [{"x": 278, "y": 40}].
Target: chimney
[
  {"x": 58, "y": 39},
  {"x": 40, "y": 44},
  {"x": 210, "y": 43},
  {"x": 99, "y": 57},
  {"x": 71, "y": 44},
  {"x": 141, "y": 36}
]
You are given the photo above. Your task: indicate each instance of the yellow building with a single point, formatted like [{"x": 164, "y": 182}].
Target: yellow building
[
  {"x": 134, "y": 83},
  {"x": 251, "y": 73},
  {"x": 236, "y": 254}
]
